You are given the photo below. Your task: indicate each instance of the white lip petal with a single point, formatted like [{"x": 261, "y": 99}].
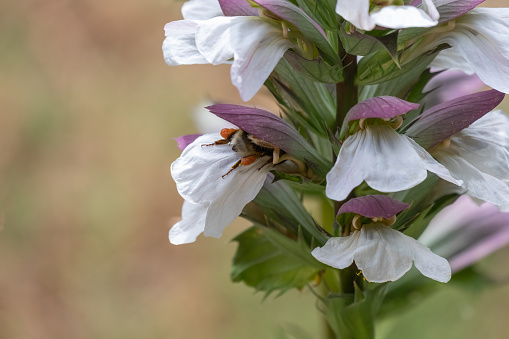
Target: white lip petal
[
  {"x": 254, "y": 44},
  {"x": 357, "y": 12},
  {"x": 386, "y": 160},
  {"x": 382, "y": 254},
  {"x": 192, "y": 224},
  {"x": 201, "y": 9},
  {"x": 256, "y": 56},
  {"x": 479, "y": 184},
  {"x": 480, "y": 37},
  {"x": 451, "y": 60},
  {"x": 213, "y": 38},
  {"x": 179, "y": 47},
  {"x": 466, "y": 158},
  {"x": 199, "y": 173},
  {"x": 397, "y": 17}
]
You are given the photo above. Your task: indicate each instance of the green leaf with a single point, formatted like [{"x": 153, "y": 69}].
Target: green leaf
[
  {"x": 355, "y": 320},
  {"x": 323, "y": 12},
  {"x": 314, "y": 100},
  {"x": 364, "y": 44},
  {"x": 379, "y": 67},
  {"x": 408, "y": 86},
  {"x": 269, "y": 261},
  {"x": 280, "y": 203},
  {"x": 315, "y": 70}
]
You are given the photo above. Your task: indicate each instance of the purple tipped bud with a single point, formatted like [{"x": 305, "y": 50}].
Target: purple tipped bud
[
  {"x": 373, "y": 206},
  {"x": 384, "y": 107},
  {"x": 443, "y": 121}
]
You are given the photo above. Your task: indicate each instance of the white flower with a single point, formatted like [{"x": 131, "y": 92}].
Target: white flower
[
  {"x": 480, "y": 44},
  {"x": 213, "y": 200},
  {"x": 396, "y": 17},
  {"x": 386, "y": 160},
  {"x": 382, "y": 254},
  {"x": 252, "y": 44},
  {"x": 201, "y": 9},
  {"x": 466, "y": 158}
]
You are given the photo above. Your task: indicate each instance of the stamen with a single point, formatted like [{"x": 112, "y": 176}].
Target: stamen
[
  {"x": 443, "y": 145},
  {"x": 356, "y": 222},
  {"x": 285, "y": 29}
]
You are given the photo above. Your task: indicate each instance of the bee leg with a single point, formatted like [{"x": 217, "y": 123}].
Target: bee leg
[
  {"x": 237, "y": 164},
  {"x": 218, "y": 142},
  {"x": 275, "y": 155}
]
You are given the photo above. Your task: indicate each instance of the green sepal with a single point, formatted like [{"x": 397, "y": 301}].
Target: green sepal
[
  {"x": 269, "y": 261},
  {"x": 315, "y": 70}
]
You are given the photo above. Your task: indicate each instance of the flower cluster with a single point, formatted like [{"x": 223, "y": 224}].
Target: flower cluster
[{"x": 368, "y": 124}]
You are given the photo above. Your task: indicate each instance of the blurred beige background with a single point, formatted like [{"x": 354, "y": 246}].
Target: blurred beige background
[{"x": 88, "y": 113}]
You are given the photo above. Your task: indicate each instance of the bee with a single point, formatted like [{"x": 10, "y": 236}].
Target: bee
[{"x": 250, "y": 148}]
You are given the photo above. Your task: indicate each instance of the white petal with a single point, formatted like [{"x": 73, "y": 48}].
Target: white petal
[
  {"x": 191, "y": 225},
  {"x": 199, "y": 172},
  {"x": 213, "y": 38},
  {"x": 481, "y": 37},
  {"x": 357, "y": 12},
  {"x": 382, "y": 254},
  {"x": 338, "y": 251},
  {"x": 427, "y": 262},
  {"x": 179, "y": 47},
  {"x": 434, "y": 166},
  {"x": 201, "y": 9},
  {"x": 254, "y": 44},
  {"x": 403, "y": 17},
  {"x": 451, "y": 60},
  {"x": 466, "y": 158},
  {"x": 386, "y": 160},
  {"x": 479, "y": 184},
  {"x": 256, "y": 55}
]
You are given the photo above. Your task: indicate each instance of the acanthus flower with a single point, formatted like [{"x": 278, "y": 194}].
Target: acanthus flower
[
  {"x": 477, "y": 40},
  {"x": 460, "y": 134},
  {"x": 252, "y": 44},
  {"x": 380, "y": 252},
  {"x": 374, "y": 152},
  {"x": 367, "y": 14},
  {"x": 218, "y": 174}
]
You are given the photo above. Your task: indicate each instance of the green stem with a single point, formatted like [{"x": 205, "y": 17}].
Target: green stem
[{"x": 347, "y": 94}]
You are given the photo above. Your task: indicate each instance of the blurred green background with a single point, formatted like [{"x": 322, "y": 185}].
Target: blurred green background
[{"x": 88, "y": 113}]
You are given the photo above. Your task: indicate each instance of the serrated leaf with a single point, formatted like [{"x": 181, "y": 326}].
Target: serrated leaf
[{"x": 269, "y": 261}]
